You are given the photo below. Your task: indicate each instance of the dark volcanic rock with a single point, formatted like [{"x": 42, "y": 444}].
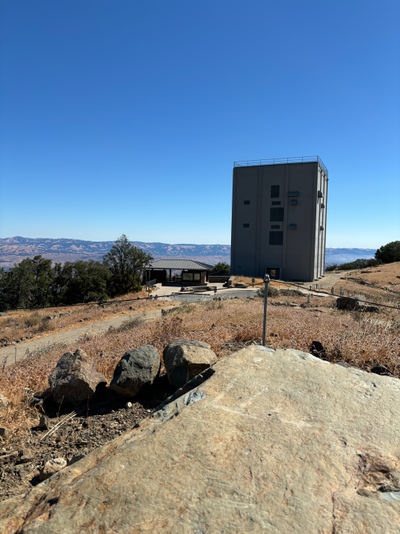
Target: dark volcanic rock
[{"x": 137, "y": 369}]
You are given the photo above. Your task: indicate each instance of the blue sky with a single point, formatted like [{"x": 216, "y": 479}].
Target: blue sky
[{"x": 126, "y": 116}]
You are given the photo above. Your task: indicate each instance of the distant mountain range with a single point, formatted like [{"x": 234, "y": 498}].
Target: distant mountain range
[{"x": 15, "y": 249}]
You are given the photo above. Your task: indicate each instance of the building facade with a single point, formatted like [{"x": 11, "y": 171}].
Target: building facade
[{"x": 279, "y": 214}]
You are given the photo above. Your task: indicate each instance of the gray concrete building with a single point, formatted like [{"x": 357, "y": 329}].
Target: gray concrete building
[{"x": 279, "y": 218}]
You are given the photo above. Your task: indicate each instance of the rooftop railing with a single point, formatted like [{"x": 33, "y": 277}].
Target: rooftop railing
[{"x": 280, "y": 161}]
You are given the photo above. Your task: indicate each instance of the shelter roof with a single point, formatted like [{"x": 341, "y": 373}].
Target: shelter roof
[{"x": 180, "y": 265}]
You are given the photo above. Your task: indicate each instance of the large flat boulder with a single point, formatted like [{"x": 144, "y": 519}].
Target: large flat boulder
[{"x": 273, "y": 441}]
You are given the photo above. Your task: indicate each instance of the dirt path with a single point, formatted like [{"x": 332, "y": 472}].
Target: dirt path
[{"x": 17, "y": 352}]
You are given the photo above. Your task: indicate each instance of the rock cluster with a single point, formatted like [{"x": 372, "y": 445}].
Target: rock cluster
[{"x": 74, "y": 380}]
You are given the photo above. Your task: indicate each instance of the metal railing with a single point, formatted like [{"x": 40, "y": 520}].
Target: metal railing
[{"x": 280, "y": 161}]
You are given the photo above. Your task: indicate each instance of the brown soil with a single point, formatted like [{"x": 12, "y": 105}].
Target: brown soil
[{"x": 91, "y": 427}]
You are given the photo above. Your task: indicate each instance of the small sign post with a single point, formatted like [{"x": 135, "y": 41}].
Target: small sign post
[{"x": 266, "y": 281}]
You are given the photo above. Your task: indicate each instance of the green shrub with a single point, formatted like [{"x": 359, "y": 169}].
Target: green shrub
[{"x": 389, "y": 253}]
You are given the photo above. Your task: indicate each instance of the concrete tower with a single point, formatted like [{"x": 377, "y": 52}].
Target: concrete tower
[{"x": 279, "y": 212}]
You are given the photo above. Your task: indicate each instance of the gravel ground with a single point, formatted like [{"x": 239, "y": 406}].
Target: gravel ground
[{"x": 92, "y": 426}]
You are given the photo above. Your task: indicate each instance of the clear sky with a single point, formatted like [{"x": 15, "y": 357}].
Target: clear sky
[{"x": 126, "y": 116}]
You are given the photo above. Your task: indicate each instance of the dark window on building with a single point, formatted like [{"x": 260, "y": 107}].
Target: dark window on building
[
  {"x": 276, "y": 214},
  {"x": 275, "y": 226},
  {"x": 276, "y": 238},
  {"x": 276, "y": 203},
  {"x": 293, "y": 202},
  {"x": 274, "y": 191},
  {"x": 293, "y": 194},
  {"x": 246, "y": 202},
  {"x": 246, "y": 225}
]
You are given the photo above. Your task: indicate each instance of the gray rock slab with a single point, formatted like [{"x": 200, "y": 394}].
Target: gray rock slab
[{"x": 274, "y": 441}]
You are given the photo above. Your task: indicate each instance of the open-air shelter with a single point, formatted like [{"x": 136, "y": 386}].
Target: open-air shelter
[{"x": 186, "y": 272}]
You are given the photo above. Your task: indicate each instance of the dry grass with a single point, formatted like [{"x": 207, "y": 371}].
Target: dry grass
[
  {"x": 29, "y": 324},
  {"x": 382, "y": 276},
  {"x": 379, "y": 284},
  {"x": 257, "y": 282},
  {"x": 346, "y": 336},
  {"x": 372, "y": 294}
]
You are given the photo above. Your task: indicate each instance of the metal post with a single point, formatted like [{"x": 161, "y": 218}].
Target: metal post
[
  {"x": 266, "y": 281},
  {"x": 309, "y": 298}
]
